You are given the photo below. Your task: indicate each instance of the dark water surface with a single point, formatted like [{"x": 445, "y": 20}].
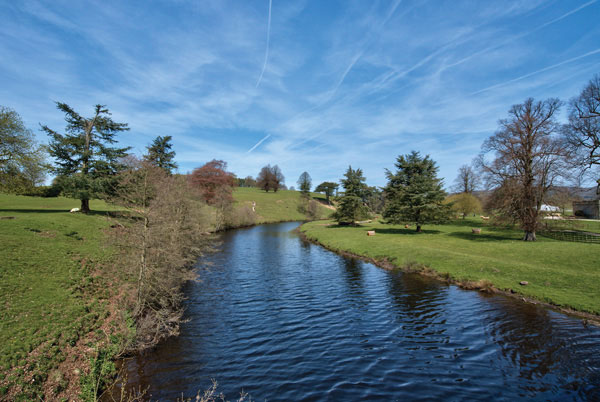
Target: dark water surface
[{"x": 287, "y": 320}]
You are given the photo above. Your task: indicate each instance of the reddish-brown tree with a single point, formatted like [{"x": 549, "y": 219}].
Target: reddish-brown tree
[{"x": 215, "y": 182}]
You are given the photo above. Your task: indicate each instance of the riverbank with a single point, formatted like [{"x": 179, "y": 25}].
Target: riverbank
[
  {"x": 561, "y": 274},
  {"x": 64, "y": 291}
]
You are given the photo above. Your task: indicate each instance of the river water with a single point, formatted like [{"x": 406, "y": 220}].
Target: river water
[{"x": 286, "y": 320}]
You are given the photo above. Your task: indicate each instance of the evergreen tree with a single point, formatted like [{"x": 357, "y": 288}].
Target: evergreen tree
[
  {"x": 352, "y": 206},
  {"x": 414, "y": 194},
  {"x": 328, "y": 188},
  {"x": 160, "y": 154},
  {"x": 304, "y": 183},
  {"x": 85, "y": 163}
]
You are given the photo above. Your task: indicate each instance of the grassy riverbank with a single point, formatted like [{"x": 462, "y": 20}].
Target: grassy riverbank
[
  {"x": 48, "y": 291},
  {"x": 565, "y": 274},
  {"x": 273, "y": 207},
  {"x": 57, "y": 276}
]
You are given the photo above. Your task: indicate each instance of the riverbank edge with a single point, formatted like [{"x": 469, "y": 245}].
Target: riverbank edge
[{"x": 483, "y": 286}]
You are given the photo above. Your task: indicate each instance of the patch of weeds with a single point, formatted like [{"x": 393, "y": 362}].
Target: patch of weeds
[{"x": 102, "y": 371}]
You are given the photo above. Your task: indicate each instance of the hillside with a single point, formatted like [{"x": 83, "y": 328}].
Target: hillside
[{"x": 276, "y": 207}]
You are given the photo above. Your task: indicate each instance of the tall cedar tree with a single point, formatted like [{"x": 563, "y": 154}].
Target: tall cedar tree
[
  {"x": 328, "y": 188},
  {"x": 160, "y": 154},
  {"x": 304, "y": 183},
  {"x": 414, "y": 193},
  {"x": 270, "y": 178},
  {"x": 528, "y": 159},
  {"x": 85, "y": 163},
  {"x": 583, "y": 130},
  {"x": 352, "y": 205}
]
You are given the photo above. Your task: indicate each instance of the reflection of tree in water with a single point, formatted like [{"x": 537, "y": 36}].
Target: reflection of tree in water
[
  {"x": 353, "y": 273},
  {"x": 547, "y": 349},
  {"x": 418, "y": 298}
]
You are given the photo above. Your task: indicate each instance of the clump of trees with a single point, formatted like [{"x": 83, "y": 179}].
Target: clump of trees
[
  {"x": 270, "y": 178},
  {"x": 464, "y": 204},
  {"x": 22, "y": 160},
  {"x": 414, "y": 193},
  {"x": 351, "y": 207},
  {"x": 86, "y": 163},
  {"x": 528, "y": 157},
  {"x": 164, "y": 237}
]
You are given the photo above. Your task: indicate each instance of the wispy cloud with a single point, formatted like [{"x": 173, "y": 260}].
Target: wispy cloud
[{"x": 267, "y": 49}]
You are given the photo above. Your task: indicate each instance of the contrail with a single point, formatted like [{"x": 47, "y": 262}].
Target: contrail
[
  {"x": 267, "y": 51},
  {"x": 536, "y": 72},
  {"x": 258, "y": 143}
]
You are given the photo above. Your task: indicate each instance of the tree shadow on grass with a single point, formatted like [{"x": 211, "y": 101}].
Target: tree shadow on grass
[
  {"x": 409, "y": 231},
  {"x": 483, "y": 237},
  {"x": 54, "y": 211}
]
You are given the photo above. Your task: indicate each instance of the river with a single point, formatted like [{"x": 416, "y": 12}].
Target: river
[{"x": 286, "y": 320}]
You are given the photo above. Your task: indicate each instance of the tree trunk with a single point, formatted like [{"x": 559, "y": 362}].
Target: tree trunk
[
  {"x": 529, "y": 236},
  {"x": 418, "y": 228},
  {"x": 85, "y": 206}
]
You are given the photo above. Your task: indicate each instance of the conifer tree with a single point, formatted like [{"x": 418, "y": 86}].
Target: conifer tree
[
  {"x": 414, "y": 194},
  {"x": 352, "y": 206},
  {"x": 86, "y": 164},
  {"x": 160, "y": 154}
]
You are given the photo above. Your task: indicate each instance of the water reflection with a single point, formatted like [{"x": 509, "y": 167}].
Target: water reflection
[{"x": 287, "y": 320}]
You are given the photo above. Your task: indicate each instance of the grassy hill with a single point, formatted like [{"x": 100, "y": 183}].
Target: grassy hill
[{"x": 276, "y": 207}]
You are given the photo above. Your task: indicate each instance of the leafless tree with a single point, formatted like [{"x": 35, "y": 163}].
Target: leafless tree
[
  {"x": 467, "y": 180},
  {"x": 529, "y": 158},
  {"x": 582, "y": 133}
]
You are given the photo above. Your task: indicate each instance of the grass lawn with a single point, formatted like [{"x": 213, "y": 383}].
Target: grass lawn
[
  {"x": 275, "y": 207},
  {"x": 47, "y": 253},
  {"x": 566, "y": 274}
]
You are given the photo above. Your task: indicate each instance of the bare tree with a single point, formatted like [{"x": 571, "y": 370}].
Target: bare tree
[
  {"x": 270, "y": 178},
  {"x": 582, "y": 133},
  {"x": 467, "y": 180},
  {"x": 528, "y": 159}
]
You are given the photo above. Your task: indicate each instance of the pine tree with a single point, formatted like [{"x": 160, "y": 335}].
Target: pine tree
[
  {"x": 414, "y": 194},
  {"x": 160, "y": 154},
  {"x": 352, "y": 206},
  {"x": 85, "y": 163}
]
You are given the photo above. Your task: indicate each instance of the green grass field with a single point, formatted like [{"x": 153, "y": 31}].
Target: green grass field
[
  {"x": 566, "y": 274},
  {"x": 275, "y": 207},
  {"x": 47, "y": 253}
]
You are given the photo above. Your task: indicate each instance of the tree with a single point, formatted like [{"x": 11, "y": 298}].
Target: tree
[
  {"x": 467, "y": 180},
  {"x": 352, "y": 206},
  {"x": 214, "y": 181},
  {"x": 85, "y": 163},
  {"x": 160, "y": 154},
  {"x": 304, "y": 183},
  {"x": 270, "y": 178},
  {"x": 464, "y": 203},
  {"x": 22, "y": 161},
  {"x": 414, "y": 193},
  {"x": 328, "y": 188},
  {"x": 528, "y": 159},
  {"x": 354, "y": 184},
  {"x": 582, "y": 133}
]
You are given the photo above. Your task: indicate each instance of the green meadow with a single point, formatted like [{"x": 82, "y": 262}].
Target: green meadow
[
  {"x": 565, "y": 274},
  {"x": 47, "y": 257}
]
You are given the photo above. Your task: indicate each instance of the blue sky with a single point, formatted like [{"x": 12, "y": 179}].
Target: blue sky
[{"x": 308, "y": 85}]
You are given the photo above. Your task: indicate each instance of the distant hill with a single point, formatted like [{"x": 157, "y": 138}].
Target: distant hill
[{"x": 276, "y": 207}]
